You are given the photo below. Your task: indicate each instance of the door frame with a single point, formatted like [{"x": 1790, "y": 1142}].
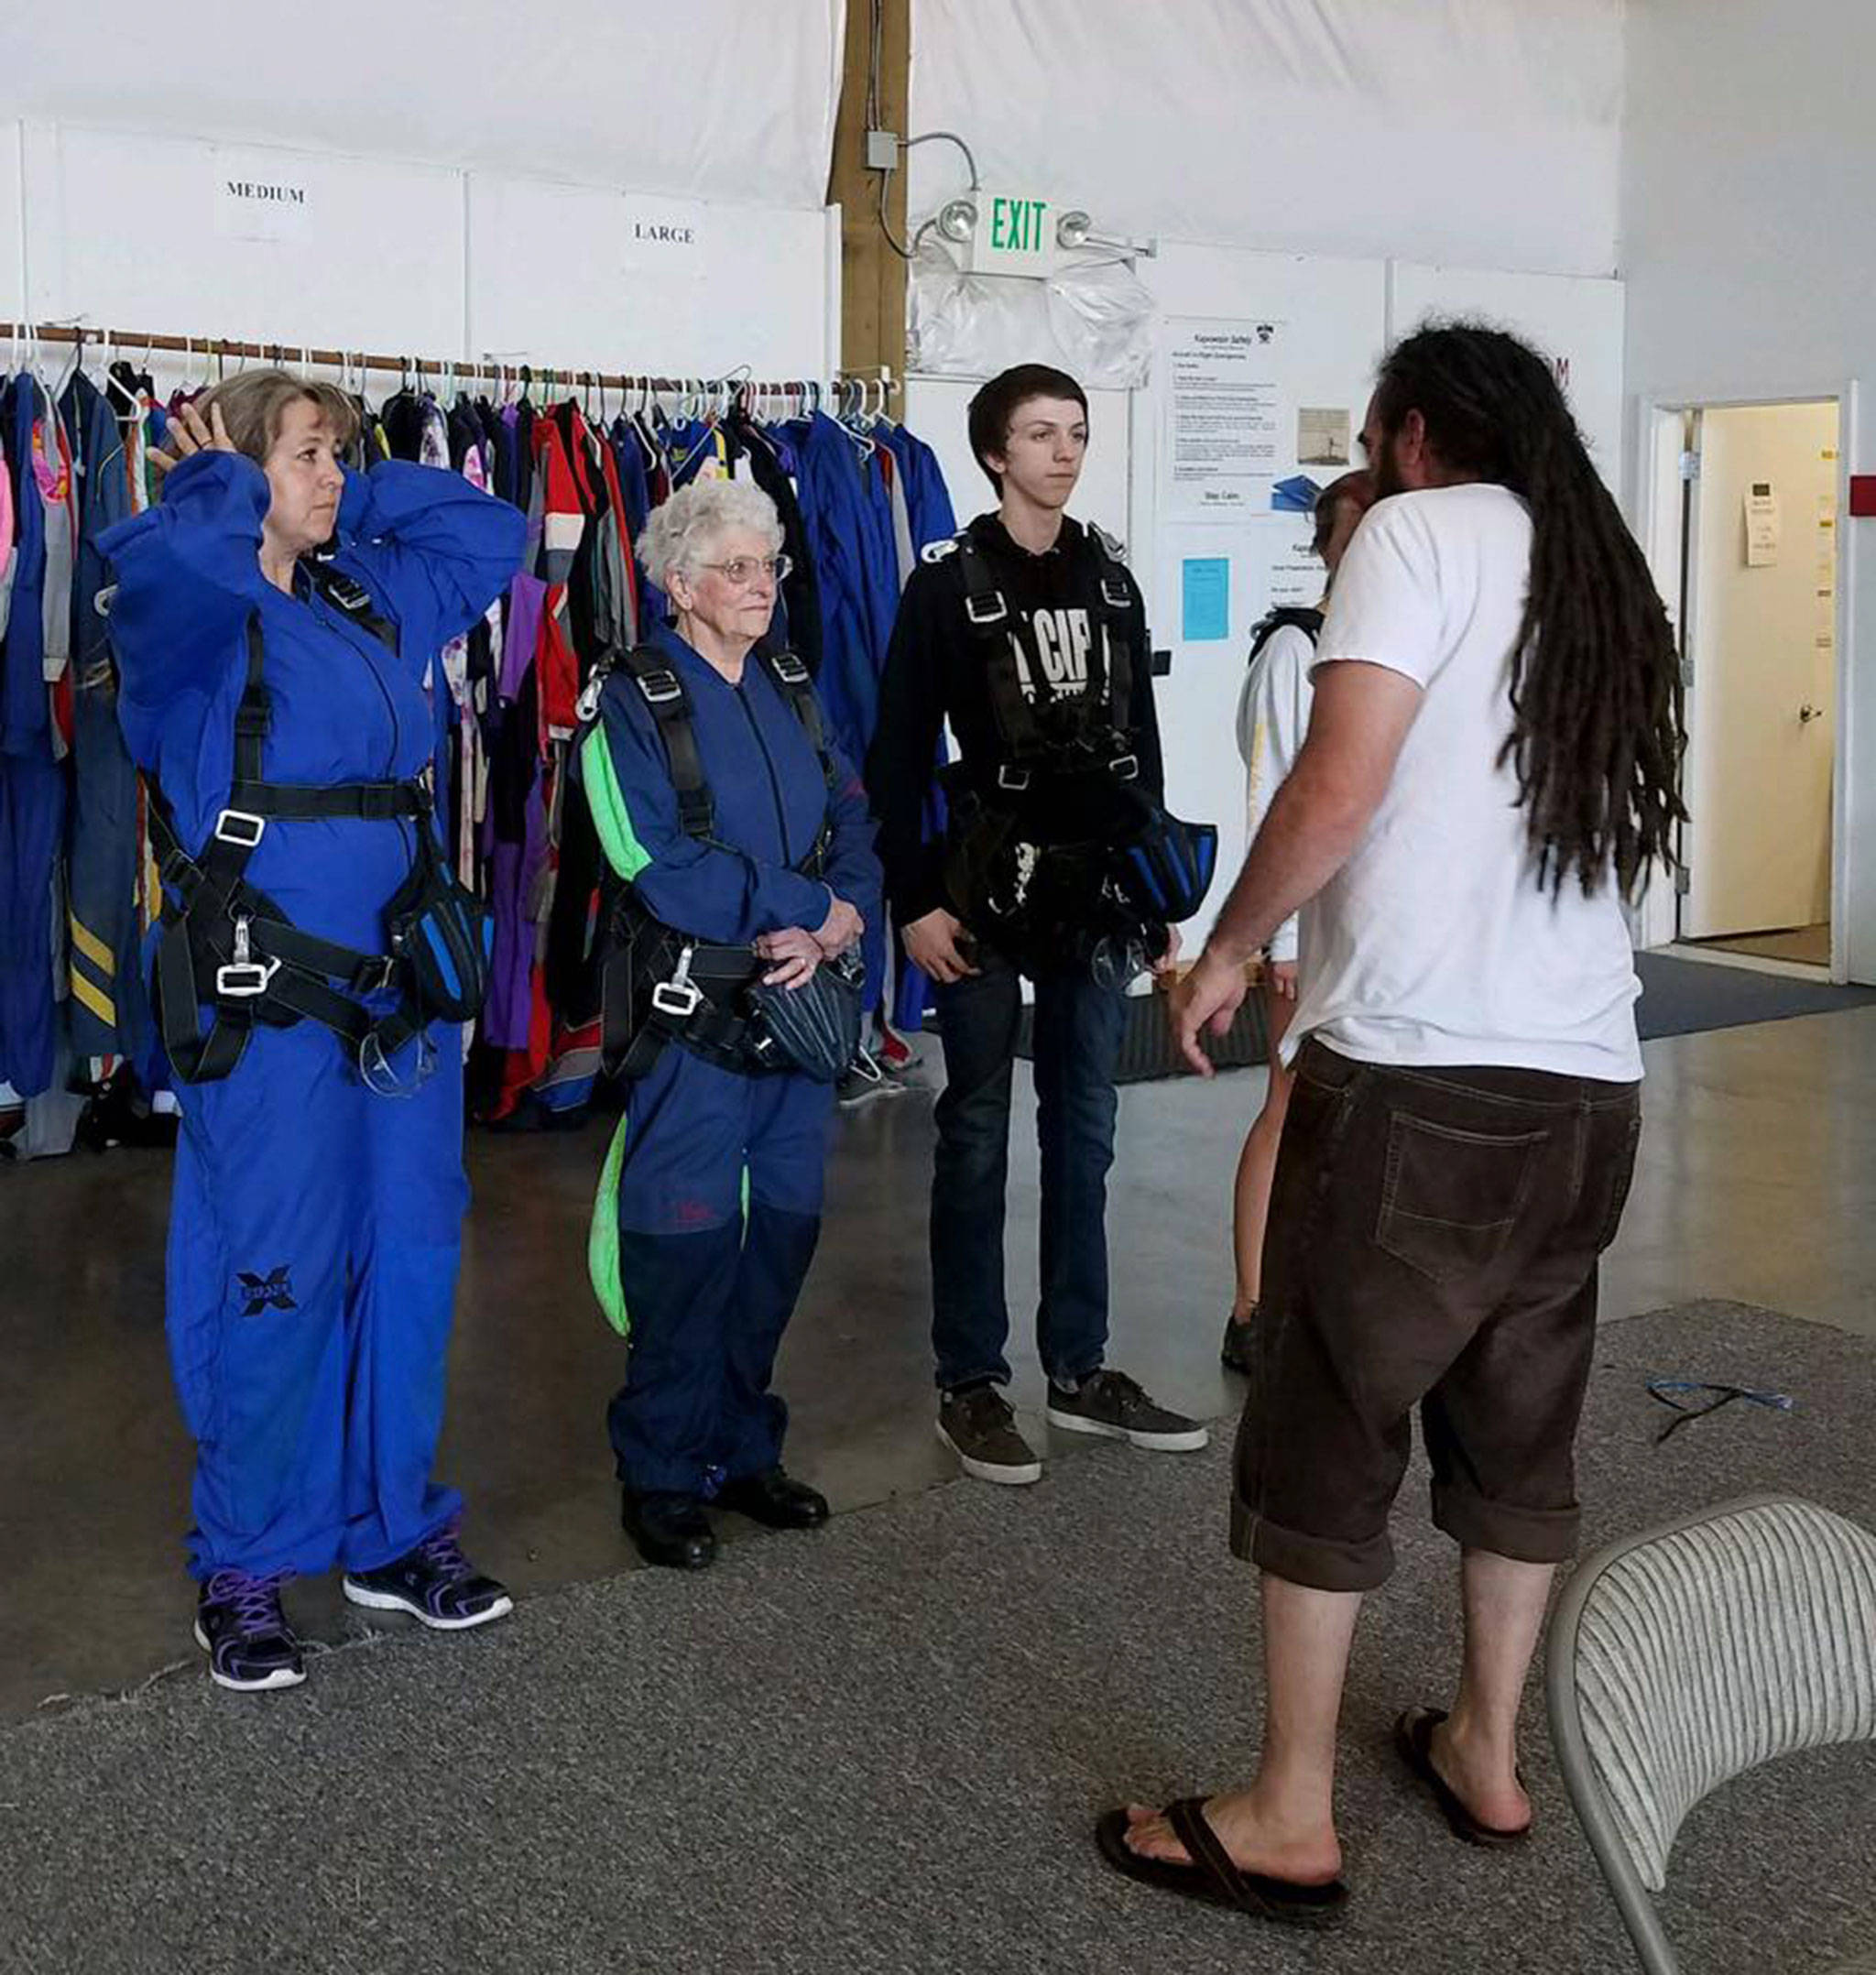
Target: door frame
[{"x": 1655, "y": 920}]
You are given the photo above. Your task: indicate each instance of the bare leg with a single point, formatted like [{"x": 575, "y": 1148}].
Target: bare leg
[
  {"x": 1256, "y": 1164},
  {"x": 1284, "y": 1825},
  {"x": 1475, "y": 1749}
]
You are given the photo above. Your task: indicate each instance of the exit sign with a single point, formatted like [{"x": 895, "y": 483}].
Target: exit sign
[{"x": 1014, "y": 235}]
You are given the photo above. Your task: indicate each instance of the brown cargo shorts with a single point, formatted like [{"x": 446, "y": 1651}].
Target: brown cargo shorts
[{"x": 1435, "y": 1237}]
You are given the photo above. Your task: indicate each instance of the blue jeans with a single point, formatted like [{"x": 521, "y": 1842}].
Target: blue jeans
[{"x": 1077, "y": 1045}]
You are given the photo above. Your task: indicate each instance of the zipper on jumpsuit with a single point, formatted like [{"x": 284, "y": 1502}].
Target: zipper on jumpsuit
[
  {"x": 774, "y": 779},
  {"x": 327, "y": 616}
]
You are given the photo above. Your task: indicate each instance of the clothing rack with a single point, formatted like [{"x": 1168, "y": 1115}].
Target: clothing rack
[{"x": 497, "y": 369}]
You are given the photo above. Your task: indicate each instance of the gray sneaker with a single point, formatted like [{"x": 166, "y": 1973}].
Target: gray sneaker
[
  {"x": 977, "y": 1425},
  {"x": 1111, "y": 1404},
  {"x": 865, "y": 1079}
]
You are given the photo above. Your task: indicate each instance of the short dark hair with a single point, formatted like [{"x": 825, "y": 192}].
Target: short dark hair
[{"x": 994, "y": 409}]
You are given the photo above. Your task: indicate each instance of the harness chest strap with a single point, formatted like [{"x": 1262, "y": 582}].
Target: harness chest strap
[
  {"x": 680, "y": 1003},
  {"x": 988, "y": 614},
  {"x": 215, "y": 924}
]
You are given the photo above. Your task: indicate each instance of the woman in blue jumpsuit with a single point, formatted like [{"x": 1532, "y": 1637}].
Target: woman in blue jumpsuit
[
  {"x": 710, "y": 1207},
  {"x": 315, "y": 1230}
]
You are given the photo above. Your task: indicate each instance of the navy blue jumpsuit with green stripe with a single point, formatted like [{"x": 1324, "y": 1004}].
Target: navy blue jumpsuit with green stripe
[{"x": 707, "y": 1283}]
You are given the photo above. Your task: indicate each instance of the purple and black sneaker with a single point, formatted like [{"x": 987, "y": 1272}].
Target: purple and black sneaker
[
  {"x": 436, "y": 1584},
  {"x": 239, "y": 1624}
]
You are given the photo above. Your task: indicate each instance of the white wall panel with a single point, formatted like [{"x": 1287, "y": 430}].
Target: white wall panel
[
  {"x": 585, "y": 276},
  {"x": 1333, "y": 314},
  {"x": 1748, "y": 238},
  {"x": 1575, "y": 321},
  {"x": 12, "y": 268},
  {"x": 126, "y": 229}
]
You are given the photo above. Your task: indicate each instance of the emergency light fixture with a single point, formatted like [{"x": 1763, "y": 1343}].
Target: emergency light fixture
[{"x": 959, "y": 220}]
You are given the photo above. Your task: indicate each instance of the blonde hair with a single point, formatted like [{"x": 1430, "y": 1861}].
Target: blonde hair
[{"x": 253, "y": 402}]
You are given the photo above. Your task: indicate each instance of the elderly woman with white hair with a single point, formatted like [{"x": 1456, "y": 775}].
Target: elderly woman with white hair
[{"x": 743, "y": 848}]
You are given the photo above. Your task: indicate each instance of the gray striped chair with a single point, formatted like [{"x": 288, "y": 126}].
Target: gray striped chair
[{"x": 1693, "y": 1653}]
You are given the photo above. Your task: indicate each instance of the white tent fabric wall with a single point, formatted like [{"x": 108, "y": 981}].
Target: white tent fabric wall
[
  {"x": 723, "y": 99},
  {"x": 1478, "y": 133}
]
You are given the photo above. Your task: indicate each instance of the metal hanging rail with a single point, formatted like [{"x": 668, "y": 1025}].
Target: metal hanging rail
[{"x": 490, "y": 365}]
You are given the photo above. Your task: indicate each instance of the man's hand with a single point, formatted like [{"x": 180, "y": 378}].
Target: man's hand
[
  {"x": 931, "y": 944},
  {"x": 1283, "y": 977},
  {"x": 188, "y": 435},
  {"x": 839, "y": 930},
  {"x": 1206, "y": 1000},
  {"x": 1169, "y": 960},
  {"x": 796, "y": 953}
]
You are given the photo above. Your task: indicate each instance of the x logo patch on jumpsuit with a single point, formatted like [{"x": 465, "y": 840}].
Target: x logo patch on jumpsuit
[{"x": 273, "y": 1291}]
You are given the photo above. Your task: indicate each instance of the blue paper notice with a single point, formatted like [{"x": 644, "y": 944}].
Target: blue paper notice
[{"x": 1208, "y": 598}]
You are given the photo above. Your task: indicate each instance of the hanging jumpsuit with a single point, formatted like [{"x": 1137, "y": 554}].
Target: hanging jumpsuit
[
  {"x": 315, "y": 1226},
  {"x": 714, "y": 1182}
]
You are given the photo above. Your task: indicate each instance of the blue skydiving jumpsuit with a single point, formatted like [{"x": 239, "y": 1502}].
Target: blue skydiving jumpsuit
[
  {"x": 315, "y": 1228},
  {"x": 707, "y": 1291}
]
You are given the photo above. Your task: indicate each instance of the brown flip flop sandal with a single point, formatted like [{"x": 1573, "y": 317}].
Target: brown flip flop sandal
[
  {"x": 1213, "y": 1877},
  {"x": 1414, "y": 1739}
]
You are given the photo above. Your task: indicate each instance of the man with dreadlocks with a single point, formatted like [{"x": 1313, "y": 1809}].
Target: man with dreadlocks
[{"x": 1490, "y": 770}]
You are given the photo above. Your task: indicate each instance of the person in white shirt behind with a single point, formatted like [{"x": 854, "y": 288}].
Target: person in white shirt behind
[
  {"x": 1272, "y": 718},
  {"x": 1491, "y": 771}
]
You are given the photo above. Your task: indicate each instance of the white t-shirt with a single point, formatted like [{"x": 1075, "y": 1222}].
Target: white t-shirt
[
  {"x": 1435, "y": 943},
  {"x": 1272, "y": 718}
]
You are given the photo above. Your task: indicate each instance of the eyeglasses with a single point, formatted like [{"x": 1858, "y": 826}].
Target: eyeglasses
[{"x": 741, "y": 570}]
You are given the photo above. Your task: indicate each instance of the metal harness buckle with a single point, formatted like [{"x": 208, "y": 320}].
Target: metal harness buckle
[
  {"x": 993, "y": 608},
  {"x": 660, "y": 687},
  {"x": 378, "y": 975},
  {"x": 240, "y": 827},
  {"x": 244, "y": 976},
  {"x": 1124, "y": 768},
  {"x": 1012, "y": 777},
  {"x": 679, "y": 996}
]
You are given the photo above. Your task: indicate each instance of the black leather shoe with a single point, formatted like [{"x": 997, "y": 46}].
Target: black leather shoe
[
  {"x": 670, "y": 1528},
  {"x": 775, "y": 1499}
]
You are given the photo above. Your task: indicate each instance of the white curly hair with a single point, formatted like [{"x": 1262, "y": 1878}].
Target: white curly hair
[{"x": 682, "y": 535}]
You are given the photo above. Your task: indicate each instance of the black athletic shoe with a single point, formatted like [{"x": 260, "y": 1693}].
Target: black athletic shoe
[
  {"x": 436, "y": 1584},
  {"x": 1111, "y": 1404},
  {"x": 977, "y": 1425},
  {"x": 239, "y": 1624},
  {"x": 1238, "y": 1351}
]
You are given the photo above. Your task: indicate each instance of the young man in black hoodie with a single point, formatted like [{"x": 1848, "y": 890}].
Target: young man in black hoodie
[{"x": 1027, "y": 633}]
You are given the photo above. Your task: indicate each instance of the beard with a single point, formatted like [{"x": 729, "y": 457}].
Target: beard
[{"x": 1386, "y": 468}]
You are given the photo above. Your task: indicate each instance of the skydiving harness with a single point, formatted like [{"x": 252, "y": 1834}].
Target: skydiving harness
[
  {"x": 225, "y": 943},
  {"x": 1060, "y": 851},
  {"x": 1053, "y": 733},
  {"x": 662, "y": 985},
  {"x": 1291, "y": 616}
]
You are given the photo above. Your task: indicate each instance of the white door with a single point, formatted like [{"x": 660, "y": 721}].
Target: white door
[{"x": 1761, "y": 700}]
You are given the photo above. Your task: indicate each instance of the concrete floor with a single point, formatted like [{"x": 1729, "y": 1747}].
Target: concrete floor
[{"x": 1757, "y": 1182}]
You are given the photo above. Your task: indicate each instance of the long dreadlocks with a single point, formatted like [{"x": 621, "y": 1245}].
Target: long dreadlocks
[{"x": 1595, "y": 684}]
